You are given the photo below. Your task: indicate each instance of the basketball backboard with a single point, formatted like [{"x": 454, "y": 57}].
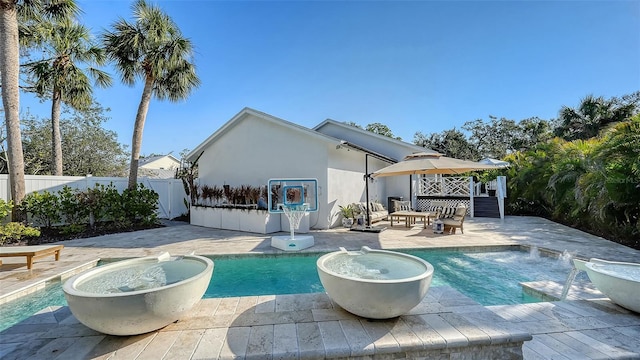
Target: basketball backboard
[{"x": 292, "y": 192}]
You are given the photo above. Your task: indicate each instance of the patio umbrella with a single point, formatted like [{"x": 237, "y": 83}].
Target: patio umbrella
[{"x": 429, "y": 163}]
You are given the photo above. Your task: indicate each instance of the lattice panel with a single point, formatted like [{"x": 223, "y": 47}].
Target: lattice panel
[
  {"x": 444, "y": 186},
  {"x": 430, "y": 186},
  {"x": 456, "y": 186},
  {"x": 424, "y": 204}
]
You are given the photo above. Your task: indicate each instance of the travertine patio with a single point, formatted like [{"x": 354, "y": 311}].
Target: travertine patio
[{"x": 446, "y": 324}]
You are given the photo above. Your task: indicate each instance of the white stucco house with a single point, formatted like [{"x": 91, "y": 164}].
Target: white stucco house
[{"x": 254, "y": 147}]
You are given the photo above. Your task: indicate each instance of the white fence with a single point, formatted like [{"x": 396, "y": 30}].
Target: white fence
[{"x": 171, "y": 192}]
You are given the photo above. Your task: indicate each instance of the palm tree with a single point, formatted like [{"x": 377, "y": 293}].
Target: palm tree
[
  {"x": 593, "y": 114},
  {"x": 58, "y": 76},
  {"x": 10, "y": 11},
  {"x": 151, "y": 48}
]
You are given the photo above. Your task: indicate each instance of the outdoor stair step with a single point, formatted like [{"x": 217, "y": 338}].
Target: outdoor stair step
[{"x": 486, "y": 206}]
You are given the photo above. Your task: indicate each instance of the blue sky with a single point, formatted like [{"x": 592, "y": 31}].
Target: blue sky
[{"x": 415, "y": 66}]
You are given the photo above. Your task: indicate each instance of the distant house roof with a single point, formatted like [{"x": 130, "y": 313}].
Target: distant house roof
[
  {"x": 158, "y": 166},
  {"x": 496, "y": 162},
  {"x": 149, "y": 159}
]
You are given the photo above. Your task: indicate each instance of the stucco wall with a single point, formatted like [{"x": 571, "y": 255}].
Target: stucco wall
[
  {"x": 346, "y": 180},
  {"x": 254, "y": 151}
]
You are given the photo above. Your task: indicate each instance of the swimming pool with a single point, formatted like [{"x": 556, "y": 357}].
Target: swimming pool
[{"x": 490, "y": 278}]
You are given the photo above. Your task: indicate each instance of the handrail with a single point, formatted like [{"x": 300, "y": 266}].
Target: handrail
[{"x": 501, "y": 194}]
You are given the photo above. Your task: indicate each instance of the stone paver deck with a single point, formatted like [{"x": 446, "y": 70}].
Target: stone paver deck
[{"x": 311, "y": 326}]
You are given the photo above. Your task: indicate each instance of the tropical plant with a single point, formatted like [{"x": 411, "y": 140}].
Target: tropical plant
[
  {"x": 207, "y": 193},
  {"x": 592, "y": 115},
  {"x": 153, "y": 49},
  {"x": 347, "y": 211},
  {"x": 590, "y": 184},
  {"x": 58, "y": 76},
  {"x": 10, "y": 12}
]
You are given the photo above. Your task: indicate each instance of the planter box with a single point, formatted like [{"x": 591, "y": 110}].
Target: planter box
[
  {"x": 256, "y": 221},
  {"x": 230, "y": 218},
  {"x": 197, "y": 215},
  {"x": 260, "y": 221}
]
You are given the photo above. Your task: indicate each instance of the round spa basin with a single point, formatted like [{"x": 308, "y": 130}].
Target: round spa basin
[
  {"x": 619, "y": 281},
  {"x": 139, "y": 295},
  {"x": 375, "y": 284}
]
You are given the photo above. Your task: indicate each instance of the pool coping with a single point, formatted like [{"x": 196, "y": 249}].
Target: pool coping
[{"x": 43, "y": 283}]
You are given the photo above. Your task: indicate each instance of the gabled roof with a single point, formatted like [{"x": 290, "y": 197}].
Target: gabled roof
[
  {"x": 150, "y": 159},
  {"x": 348, "y": 127},
  {"x": 261, "y": 115}
]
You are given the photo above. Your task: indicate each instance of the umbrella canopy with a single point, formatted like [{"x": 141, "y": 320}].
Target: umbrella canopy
[{"x": 429, "y": 163}]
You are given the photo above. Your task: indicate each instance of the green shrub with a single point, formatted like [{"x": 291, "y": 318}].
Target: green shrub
[
  {"x": 5, "y": 208},
  {"x": 43, "y": 207},
  {"x": 140, "y": 205},
  {"x": 92, "y": 201},
  {"x": 14, "y": 231},
  {"x": 72, "y": 210},
  {"x": 112, "y": 208}
]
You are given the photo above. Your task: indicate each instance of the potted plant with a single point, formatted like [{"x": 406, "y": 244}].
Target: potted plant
[
  {"x": 488, "y": 179},
  {"x": 348, "y": 212}
]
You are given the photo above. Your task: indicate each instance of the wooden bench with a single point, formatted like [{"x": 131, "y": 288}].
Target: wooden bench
[{"x": 31, "y": 252}]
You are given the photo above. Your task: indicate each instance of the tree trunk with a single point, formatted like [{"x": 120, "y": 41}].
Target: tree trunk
[
  {"x": 9, "y": 70},
  {"x": 136, "y": 141},
  {"x": 56, "y": 138}
]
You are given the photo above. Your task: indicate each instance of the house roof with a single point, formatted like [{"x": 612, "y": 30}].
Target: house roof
[
  {"x": 150, "y": 159},
  {"x": 348, "y": 127},
  {"x": 315, "y": 132},
  {"x": 264, "y": 116},
  {"x": 370, "y": 152}
]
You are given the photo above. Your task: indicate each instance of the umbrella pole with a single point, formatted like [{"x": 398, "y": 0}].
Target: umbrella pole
[{"x": 366, "y": 185}]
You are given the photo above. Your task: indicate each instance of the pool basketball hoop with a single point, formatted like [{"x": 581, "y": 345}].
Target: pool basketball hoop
[{"x": 294, "y": 198}]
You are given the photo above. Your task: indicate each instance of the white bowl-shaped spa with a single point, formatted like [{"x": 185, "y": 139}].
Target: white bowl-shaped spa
[
  {"x": 375, "y": 284},
  {"x": 619, "y": 281},
  {"x": 139, "y": 295}
]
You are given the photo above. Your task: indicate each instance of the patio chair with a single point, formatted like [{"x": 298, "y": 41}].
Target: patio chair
[{"x": 456, "y": 220}]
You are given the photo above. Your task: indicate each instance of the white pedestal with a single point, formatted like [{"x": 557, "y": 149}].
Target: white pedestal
[{"x": 298, "y": 243}]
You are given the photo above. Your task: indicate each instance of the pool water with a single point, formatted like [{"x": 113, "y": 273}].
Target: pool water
[{"x": 490, "y": 278}]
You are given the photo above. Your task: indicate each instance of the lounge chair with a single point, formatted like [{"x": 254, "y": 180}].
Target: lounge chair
[{"x": 456, "y": 220}]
